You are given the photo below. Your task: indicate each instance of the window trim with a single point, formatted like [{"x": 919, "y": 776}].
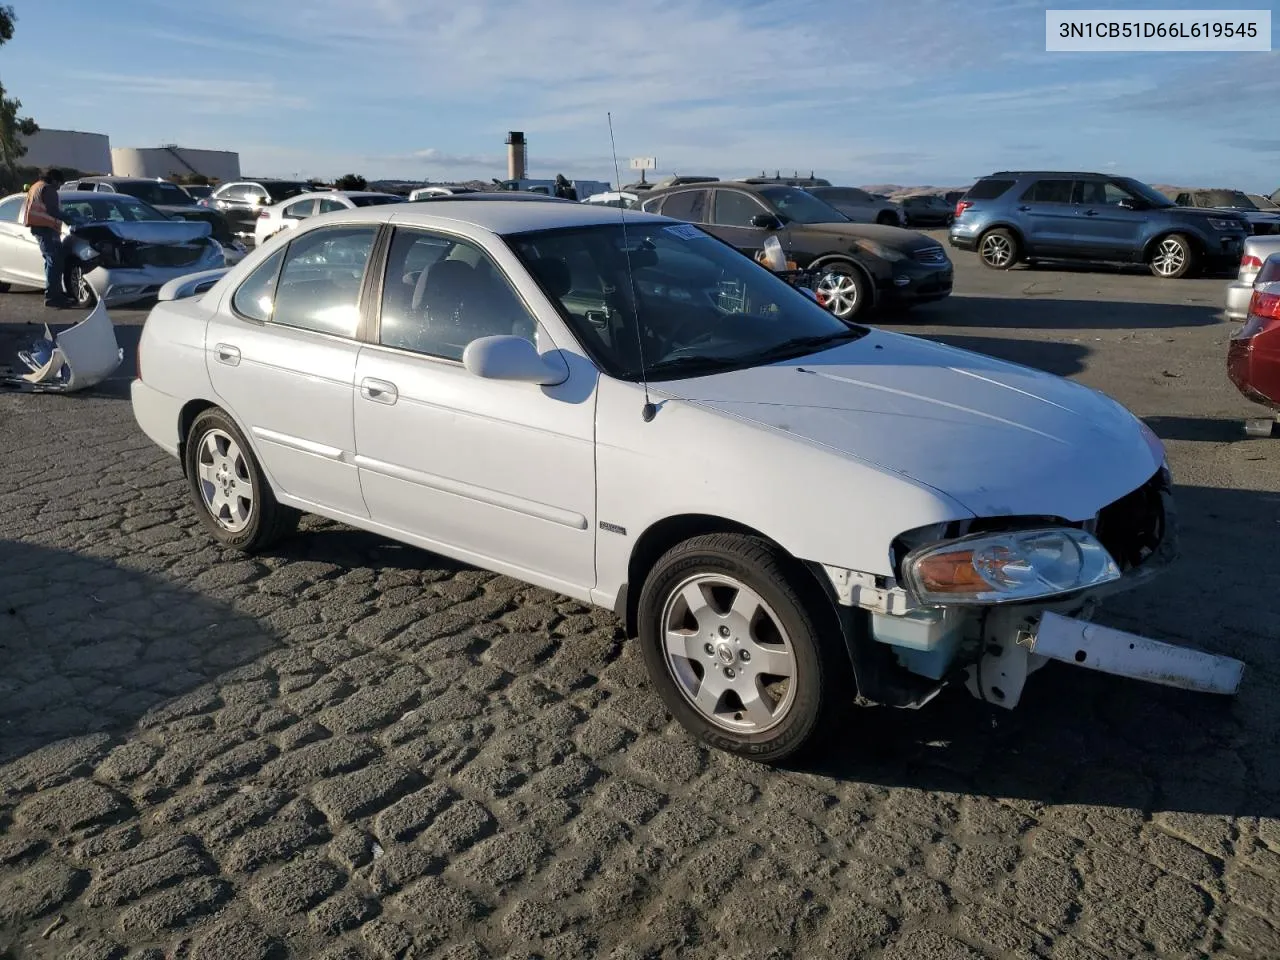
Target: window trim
[{"x": 377, "y": 288}]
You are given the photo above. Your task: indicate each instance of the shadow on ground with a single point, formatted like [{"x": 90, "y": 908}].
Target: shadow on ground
[
  {"x": 88, "y": 646},
  {"x": 1204, "y": 429},
  {"x": 1043, "y": 313}
]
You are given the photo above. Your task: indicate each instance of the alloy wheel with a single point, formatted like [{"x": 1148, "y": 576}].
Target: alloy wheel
[
  {"x": 997, "y": 250},
  {"x": 1170, "y": 258},
  {"x": 838, "y": 292},
  {"x": 226, "y": 486},
  {"x": 729, "y": 654}
]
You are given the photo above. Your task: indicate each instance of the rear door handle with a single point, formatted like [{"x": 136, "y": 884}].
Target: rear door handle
[
  {"x": 379, "y": 391},
  {"x": 228, "y": 354}
]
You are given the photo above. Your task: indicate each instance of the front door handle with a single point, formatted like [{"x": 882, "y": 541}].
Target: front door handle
[
  {"x": 379, "y": 391},
  {"x": 1024, "y": 209},
  {"x": 228, "y": 354}
]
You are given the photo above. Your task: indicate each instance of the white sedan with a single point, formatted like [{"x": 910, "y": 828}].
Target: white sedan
[
  {"x": 116, "y": 246},
  {"x": 786, "y": 510},
  {"x": 287, "y": 214}
]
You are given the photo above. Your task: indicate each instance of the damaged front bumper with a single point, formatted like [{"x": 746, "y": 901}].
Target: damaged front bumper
[
  {"x": 904, "y": 653},
  {"x": 127, "y": 262}
]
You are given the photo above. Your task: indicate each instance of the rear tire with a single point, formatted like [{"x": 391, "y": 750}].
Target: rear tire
[
  {"x": 999, "y": 249},
  {"x": 740, "y": 650},
  {"x": 231, "y": 493},
  {"x": 4, "y": 287},
  {"x": 1172, "y": 258}
]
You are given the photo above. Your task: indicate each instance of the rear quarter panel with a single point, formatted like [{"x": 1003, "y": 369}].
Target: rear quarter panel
[{"x": 171, "y": 349}]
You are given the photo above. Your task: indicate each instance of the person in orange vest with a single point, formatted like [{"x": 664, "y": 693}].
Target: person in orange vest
[{"x": 42, "y": 213}]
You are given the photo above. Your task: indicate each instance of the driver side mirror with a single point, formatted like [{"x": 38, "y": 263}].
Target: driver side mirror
[
  {"x": 766, "y": 221},
  {"x": 513, "y": 358}
]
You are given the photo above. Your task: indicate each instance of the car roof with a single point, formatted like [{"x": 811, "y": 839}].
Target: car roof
[
  {"x": 734, "y": 184},
  {"x": 1047, "y": 173},
  {"x": 500, "y": 217}
]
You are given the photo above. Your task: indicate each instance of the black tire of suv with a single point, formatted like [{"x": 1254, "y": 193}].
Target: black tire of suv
[
  {"x": 1188, "y": 257},
  {"x": 825, "y": 691},
  {"x": 887, "y": 219},
  {"x": 1015, "y": 248},
  {"x": 269, "y": 522}
]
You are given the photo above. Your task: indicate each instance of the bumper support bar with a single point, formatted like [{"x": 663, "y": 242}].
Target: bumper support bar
[{"x": 1124, "y": 654}]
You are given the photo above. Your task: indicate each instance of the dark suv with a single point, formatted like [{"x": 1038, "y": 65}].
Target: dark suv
[
  {"x": 1010, "y": 217},
  {"x": 241, "y": 200},
  {"x": 861, "y": 265}
]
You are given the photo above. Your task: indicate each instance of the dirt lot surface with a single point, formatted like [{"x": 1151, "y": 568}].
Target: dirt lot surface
[{"x": 351, "y": 749}]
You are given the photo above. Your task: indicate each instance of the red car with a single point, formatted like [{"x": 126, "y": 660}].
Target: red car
[{"x": 1253, "y": 354}]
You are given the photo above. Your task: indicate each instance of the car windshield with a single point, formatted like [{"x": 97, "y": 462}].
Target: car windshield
[
  {"x": 1235, "y": 199},
  {"x": 697, "y": 304},
  {"x": 801, "y": 206},
  {"x": 158, "y": 192},
  {"x": 105, "y": 207},
  {"x": 284, "y": 190},
  {"x": 376, "y": 200},
  {"x": 1148, "y": 193}
]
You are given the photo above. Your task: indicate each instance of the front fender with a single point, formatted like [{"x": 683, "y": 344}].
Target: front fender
[{"x": 818, "y": 505}]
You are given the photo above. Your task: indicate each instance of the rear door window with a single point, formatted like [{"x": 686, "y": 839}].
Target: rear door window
[
  {"x": 988, "y": 189},
  {"x": 1049, "y": 191},
  {"x": 687, "y": 205},
  {"x": 735, "y": 209}
]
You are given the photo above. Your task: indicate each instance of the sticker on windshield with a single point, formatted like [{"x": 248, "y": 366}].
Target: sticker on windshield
[{"x": 685, "y": 231}]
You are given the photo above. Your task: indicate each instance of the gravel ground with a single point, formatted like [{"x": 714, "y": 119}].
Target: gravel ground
[{"x": 352, "y": 749}]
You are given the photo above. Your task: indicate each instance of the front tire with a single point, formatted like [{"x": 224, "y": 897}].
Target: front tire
[
  {"x": 231, "y": 493},
  {"x": 739, "y": 650},
  {"x": 999, "y": 249},
  {"x": 78, "y": 287},
  {"x": 843, "y": 290},
  {"x": 1172, "y": 258}
]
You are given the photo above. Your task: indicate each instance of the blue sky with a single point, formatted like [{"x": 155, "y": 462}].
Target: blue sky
[{"x": 931, "y": 92}]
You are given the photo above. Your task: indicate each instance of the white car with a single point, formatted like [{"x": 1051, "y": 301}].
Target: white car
[
  {"x": 117, "y": 243},
  {"x": 287, "y": 214},
  {"x": 1240, "y": 290},
  {"x": 786, "y": 509},
  {"x": 616, "y": 198},
  {"x": 422, "y": 193}
]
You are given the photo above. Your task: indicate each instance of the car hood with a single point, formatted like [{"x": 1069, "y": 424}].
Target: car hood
[
  {"x": 896, "y": 238},
  {"x": 152, "y": 231},
  {"x": 1208, "y": 213},
  {"x": 998, "y": 438}
]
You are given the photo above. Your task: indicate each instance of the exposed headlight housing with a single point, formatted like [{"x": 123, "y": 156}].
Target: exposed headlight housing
[{"x": 1012, "y": 567}]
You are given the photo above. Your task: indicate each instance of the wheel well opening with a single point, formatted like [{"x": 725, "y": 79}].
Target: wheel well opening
[
  {"x": 660, "y": 538},
  {"x": 1008, "y": 228},
  {"x": 1197, "y": 246},
  {"x": 186, "y": 418},
  {"x": 835, "y": 258}
]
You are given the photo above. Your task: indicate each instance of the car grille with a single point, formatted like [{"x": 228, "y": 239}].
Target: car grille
[
  {"x": 930, "y": 255},
  {"x": 1134, "y": 527}
]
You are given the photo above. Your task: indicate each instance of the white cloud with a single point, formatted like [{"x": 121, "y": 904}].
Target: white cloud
[{"x": 209, "y": 95}]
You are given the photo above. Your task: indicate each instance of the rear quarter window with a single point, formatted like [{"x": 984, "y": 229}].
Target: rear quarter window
[{"x": 988, "y": 189}]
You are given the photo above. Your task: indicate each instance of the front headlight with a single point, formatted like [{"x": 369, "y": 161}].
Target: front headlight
[
  {"x": 1224, "y": 224},
  {"x": 880, "y": 250},
  {"x": 1021, "y": 565}
]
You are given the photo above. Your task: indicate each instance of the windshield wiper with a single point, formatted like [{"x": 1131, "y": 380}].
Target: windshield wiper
[
  {"x": 693, "y": 362},
  {"x": 798, "y": 346}
]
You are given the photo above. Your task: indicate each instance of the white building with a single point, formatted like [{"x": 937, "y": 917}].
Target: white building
[
  {"x": 85, "y": 152},
  {"x": 172, "y": 159}
]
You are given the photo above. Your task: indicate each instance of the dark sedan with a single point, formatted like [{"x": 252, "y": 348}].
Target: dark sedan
[
  {"x": 928, "y": 210},
  {"x": 860, "y": 266}
]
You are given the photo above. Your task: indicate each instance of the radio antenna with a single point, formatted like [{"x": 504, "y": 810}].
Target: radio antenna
[{"x": 649, "y": 411}]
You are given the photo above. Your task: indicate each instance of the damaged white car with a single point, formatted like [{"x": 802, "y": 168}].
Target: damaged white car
[
  {"x": 115, "y": 243},
  {"x": 789, "y": 511}
]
